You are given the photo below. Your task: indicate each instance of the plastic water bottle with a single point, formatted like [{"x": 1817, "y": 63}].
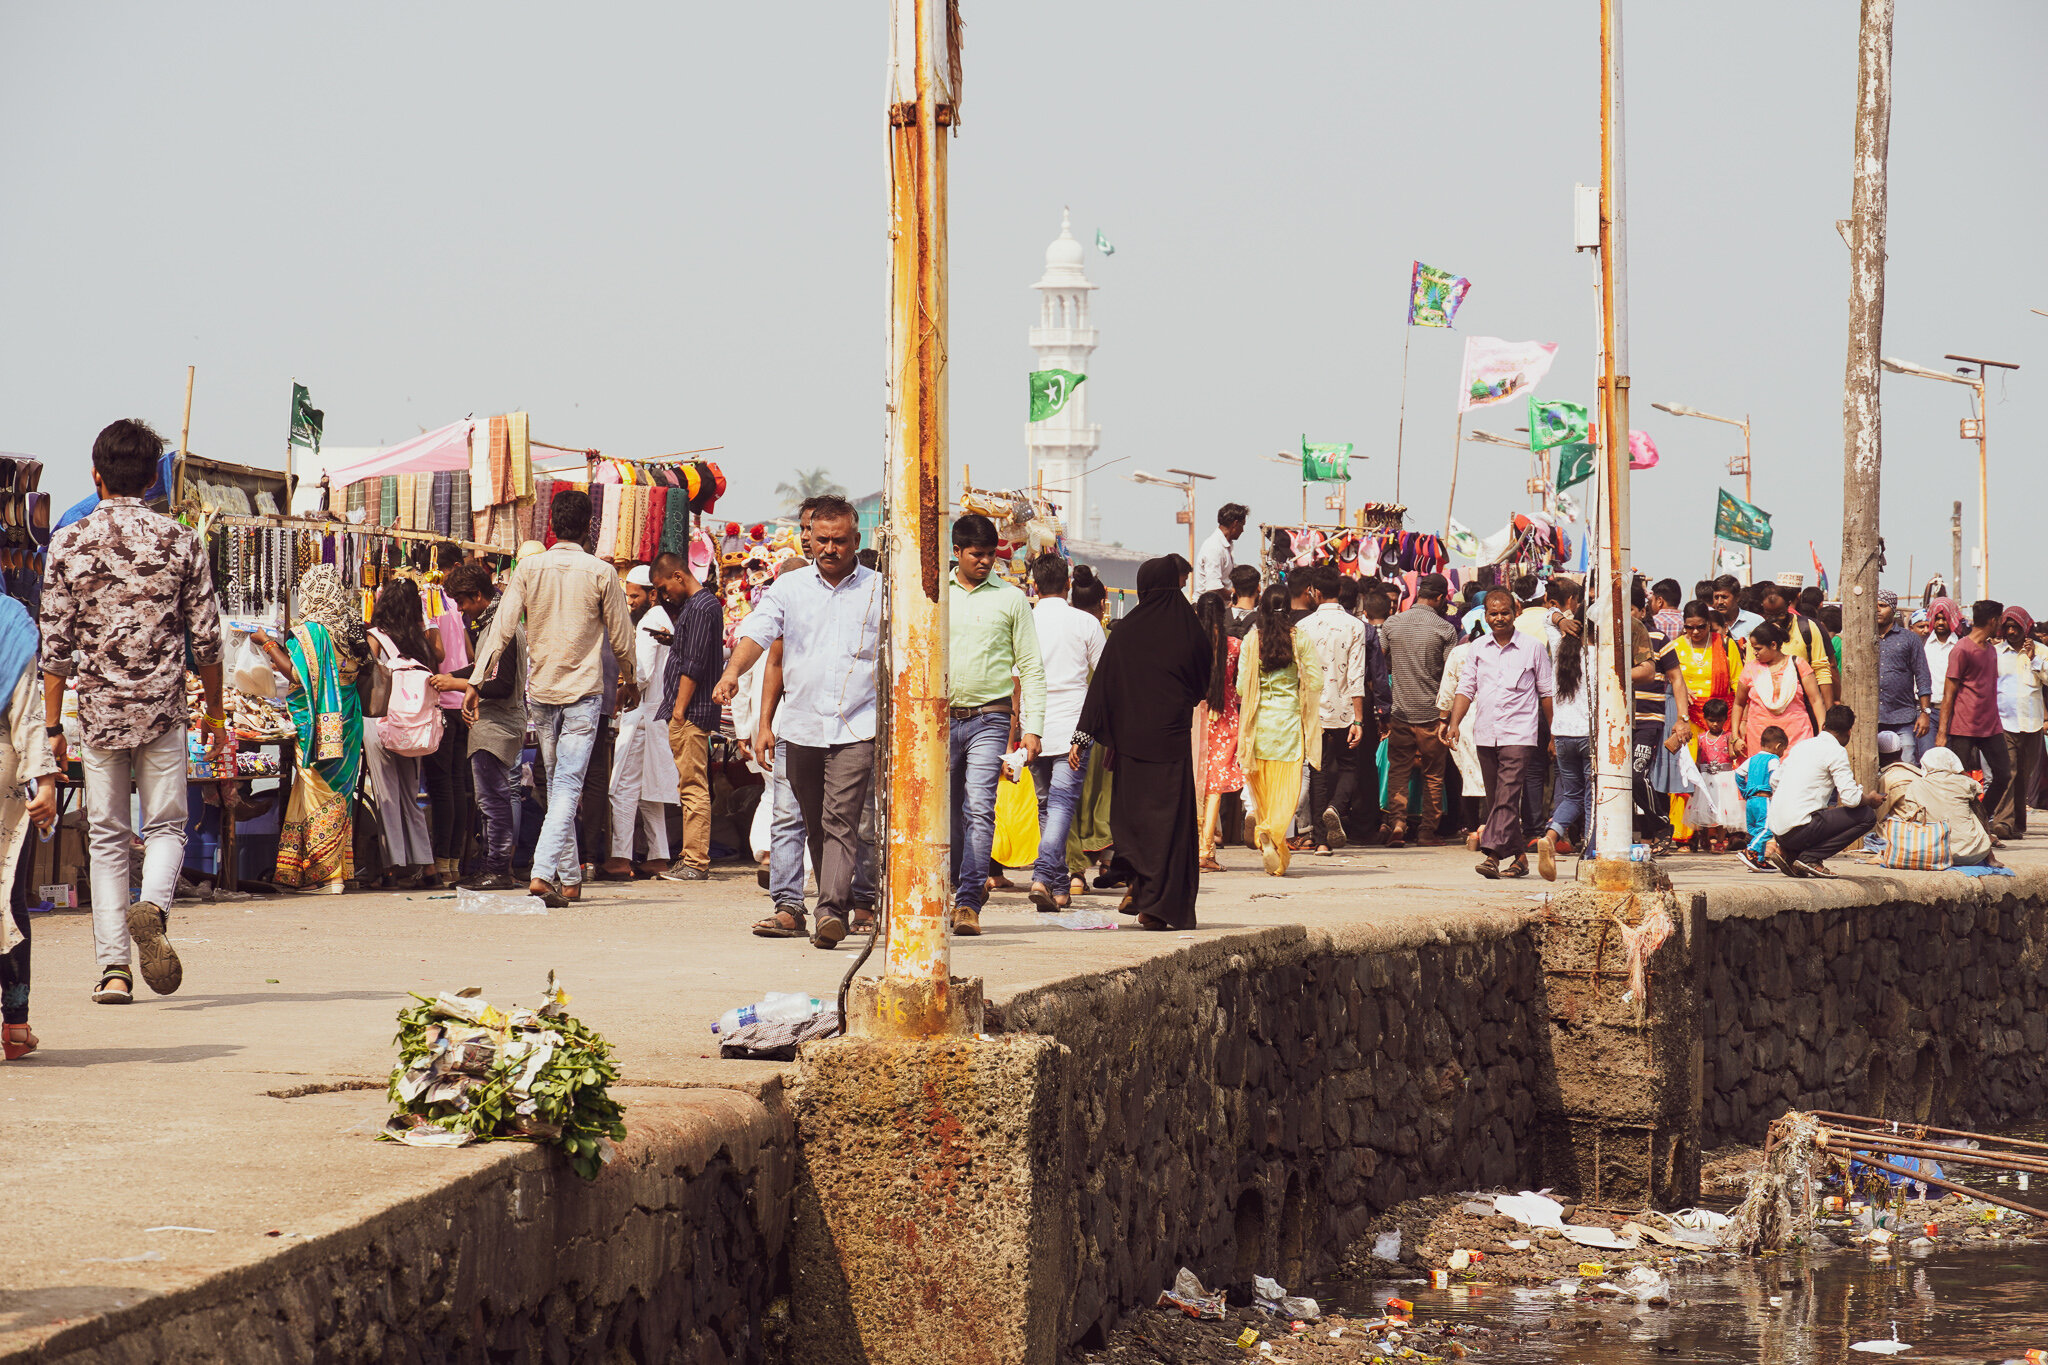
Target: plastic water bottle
[{"x": 776, "y": 1007}]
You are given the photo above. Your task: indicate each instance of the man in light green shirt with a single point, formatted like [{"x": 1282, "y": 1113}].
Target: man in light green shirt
[{"x": 992, "y": 660}]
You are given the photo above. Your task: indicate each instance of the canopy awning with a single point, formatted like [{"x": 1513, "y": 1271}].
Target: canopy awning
[{"x": 442, "y": 449}]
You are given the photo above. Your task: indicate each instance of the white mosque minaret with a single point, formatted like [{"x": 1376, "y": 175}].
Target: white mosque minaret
[{"x": 1060, "y": 448}]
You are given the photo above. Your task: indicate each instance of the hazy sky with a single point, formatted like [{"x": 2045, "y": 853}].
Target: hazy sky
[{"x": 658, "y": 226}]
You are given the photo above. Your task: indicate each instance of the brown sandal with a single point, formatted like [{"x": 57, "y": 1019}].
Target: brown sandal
[
  {"x": 864, "y": 922},
  {"x": 1153, "y": 922},
  {"x": 1209, "y": 864},
  {"x": 782, "y": 924}
]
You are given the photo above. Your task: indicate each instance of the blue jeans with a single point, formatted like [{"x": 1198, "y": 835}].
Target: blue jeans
[
  {"x": 567, "y": 734},
  {"x": 1059, "y": 795},
  {"x": 494, "y": 804},
  {"x": 977, "y": 762},
  {"x": 1574, "y": 780},
  {"x": 786, "y": 835}
]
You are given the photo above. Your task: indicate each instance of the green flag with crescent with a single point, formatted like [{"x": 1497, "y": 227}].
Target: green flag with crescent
[{"x": 1050, "y": 390}]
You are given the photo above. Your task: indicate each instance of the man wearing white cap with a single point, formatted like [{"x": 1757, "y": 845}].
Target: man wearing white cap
[{"x": 643, "y": 772}]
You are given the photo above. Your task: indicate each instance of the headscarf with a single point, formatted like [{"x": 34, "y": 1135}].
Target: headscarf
[
  {"x": 1918, "y": 616},
  {"x": 1941, "y": 761},
  {"x": 1153, "y": 671},
  {"x": 1887, "y": 598},
  {"x": 324, "y": 598},
  {"x": 1945, "y": 609},
  {"x": 2017, "y": 616}
]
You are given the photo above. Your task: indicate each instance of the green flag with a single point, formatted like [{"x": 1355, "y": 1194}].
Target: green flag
[
  {"x": 1737, "y": 520},
  {"x": 307, "y": 420},
  {"x": 1553, "y": 424},
  {"x": 1574, "y": 463},
  {"x": 1326, "y": 463},
  {"x": 1102, "y": 244},
  {"x": 1050, "y": 390}
]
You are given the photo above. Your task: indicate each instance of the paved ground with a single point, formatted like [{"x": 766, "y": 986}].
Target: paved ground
[{"x": 184, "y": 1111}]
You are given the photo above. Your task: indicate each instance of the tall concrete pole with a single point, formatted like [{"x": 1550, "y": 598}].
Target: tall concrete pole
[
  {"x": 1862, "y": 444},
  {"x": 1612, "y": 803},
  {"x": 916, "y": 996}
]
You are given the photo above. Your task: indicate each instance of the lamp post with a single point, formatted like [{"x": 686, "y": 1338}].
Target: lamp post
[
  {"x": 1973, "y": 428},
  {"x": 1738, "y": 465},
  {"x": 1186, "y": 485}
]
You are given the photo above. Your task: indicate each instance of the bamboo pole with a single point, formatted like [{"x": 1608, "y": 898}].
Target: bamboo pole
[
  {"x": 185, "y": 427},
  {"x": 1401, "y": 429},
  {"x": 1457, "y": 446},
  {"x": 1983, "y": 1196},
  {"x": 1928, "y": 1128}
]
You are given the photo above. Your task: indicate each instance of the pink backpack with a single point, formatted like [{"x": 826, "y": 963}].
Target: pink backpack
[{"x": 411, "y": 723}]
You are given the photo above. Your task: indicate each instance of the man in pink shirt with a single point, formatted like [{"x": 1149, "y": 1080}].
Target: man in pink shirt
[
  {"x": 1507, "y": 686},
  {"x": 1970, "y": 727}
]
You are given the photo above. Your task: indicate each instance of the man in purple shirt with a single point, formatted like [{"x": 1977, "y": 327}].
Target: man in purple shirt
[
  {"x": 1507, "y": 686},
  {"x": 1970, "y": 726}
]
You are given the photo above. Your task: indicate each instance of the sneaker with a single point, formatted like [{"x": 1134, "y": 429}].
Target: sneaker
[
  {"x": 1489, "y": 868},
  {"x": 492, "y": 881},
  {"x": 1754, "y": 863},
  {"x": 149, "y": 926},
  {"x": 1333, "y": 829},
  {"x": 680, "y": 871},
  {"x": 1546, "y": 857}
]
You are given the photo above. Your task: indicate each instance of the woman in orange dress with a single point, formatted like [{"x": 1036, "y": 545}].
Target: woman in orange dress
[
  {"x": 1775, "y": 689},
  {"x": 1219, "y": 770}
]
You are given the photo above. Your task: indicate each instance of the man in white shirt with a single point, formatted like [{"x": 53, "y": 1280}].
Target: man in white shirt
[
  {"x": 1340, "y": 644},
  {"x": 1069, "y": 646},
  {"x": 644, "y": 778},
  {"x": 2022, "y": 668},
  {"x": 1214, "y": 561},
  {"x": 1807, "y": 827}
]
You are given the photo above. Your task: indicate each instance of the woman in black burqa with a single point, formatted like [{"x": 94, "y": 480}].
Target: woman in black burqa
[{"x": 1141, "y": 704}]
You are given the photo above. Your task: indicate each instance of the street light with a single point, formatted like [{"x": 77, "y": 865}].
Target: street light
[
  {"x": 1186, "y": 484},
  {"x": 1736, "y": 465},
  {"x": 1972, "y": 428}
]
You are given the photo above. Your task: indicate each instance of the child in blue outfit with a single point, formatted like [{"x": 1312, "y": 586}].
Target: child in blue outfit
[{"x": 1756, "y": 779}]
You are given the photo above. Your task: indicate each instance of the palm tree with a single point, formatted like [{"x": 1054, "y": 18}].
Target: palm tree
[{"x": 808, "y": 484}]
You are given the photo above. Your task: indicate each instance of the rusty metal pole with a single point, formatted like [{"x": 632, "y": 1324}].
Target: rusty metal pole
[
  {"x": 1613, "y": 804},
  {"x": 917, "y": 996}
]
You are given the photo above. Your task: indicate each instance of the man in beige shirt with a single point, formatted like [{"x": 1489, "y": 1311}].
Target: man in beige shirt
[{"x": 570, "y": 601}]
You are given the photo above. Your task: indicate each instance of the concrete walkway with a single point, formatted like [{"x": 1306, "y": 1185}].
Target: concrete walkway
[{"x": 246, "y": 1104}]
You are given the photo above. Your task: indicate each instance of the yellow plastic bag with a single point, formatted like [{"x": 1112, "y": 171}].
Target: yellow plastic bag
[{"x": 1016, "y": 822}]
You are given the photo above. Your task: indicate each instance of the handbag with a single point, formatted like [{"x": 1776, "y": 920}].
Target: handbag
[
  {"x": 1915, "y": 846},
  {"x": 373, "y": 687}
]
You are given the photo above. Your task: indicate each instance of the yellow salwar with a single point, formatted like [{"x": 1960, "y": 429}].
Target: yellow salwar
[{"x": 1276, "y": 787}]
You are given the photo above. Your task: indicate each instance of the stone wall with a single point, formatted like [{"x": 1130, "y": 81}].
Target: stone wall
[
  {"x": 1932, "y": 1008},
  {"x": 1247, "y": 1105},
  {"x": 672, "y": 1257}
]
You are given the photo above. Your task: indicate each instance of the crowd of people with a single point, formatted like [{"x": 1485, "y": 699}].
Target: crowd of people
[{"x": 1298, "y": 712}]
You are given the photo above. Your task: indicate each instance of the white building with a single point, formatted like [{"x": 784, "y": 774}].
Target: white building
[{"x": 1061, "y": 447}]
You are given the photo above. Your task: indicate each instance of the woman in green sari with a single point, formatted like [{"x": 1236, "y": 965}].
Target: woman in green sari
[{"x": 316, "y": 845}]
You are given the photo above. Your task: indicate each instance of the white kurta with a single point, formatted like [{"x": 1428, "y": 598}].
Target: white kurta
[{"x": 642, "y": 765}]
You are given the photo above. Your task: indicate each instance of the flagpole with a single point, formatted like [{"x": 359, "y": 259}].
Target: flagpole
[
  {"x": 290, "y": 484},
  {"x": 185, "y": 428},
  {"x": 1401, "y": 431},
  {"x": 1457, "y": 446}
]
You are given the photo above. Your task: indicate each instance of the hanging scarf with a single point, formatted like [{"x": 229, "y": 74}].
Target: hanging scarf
[
  {"x": 325, "y": 599},
  {"x": 1774, "y": 691}
]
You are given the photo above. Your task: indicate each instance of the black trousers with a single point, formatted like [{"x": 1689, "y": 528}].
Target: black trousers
[
  {"x": 1827, "y": 833},
  {"x": 1653, "y": 819},
  {"x": 451, "y": 792},
  {"x": 1334, "y": 785},
  {"x": 594, "y": 809},
  {"x": 1988, "y": 755},
  {"x": 831, "y": 786},
  {"x": 1506, "y": 768}
]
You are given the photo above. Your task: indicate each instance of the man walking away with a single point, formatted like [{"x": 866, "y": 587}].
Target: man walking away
[
  {"x": 1507, "y": 681},
  {"x": 1418, "y": 641},
  {"x": 1904, "y": 686},
  {"x": 1807, "y": 828},
  {"x": 688, "y": 708},
  {"x": 1969, "y": 706},
  {"x": 829, "y": 619},
  {"x": 993, "y": 640},
  {"x": 1339, "y": 639},
  {"x": 499, "y": 734},
  {"x": 644, "y": 777},
  {"x": 571, "y": 603},
  {"x": 124, "y": 592},
  {"x": 1069, "y": 645},
  {"x": 1215, "y": 561}
]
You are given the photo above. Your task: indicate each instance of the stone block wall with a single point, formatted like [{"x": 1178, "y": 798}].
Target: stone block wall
[
  {"x": 1933, "y": 1009},
  {"x": 1247, "y": 1105}
]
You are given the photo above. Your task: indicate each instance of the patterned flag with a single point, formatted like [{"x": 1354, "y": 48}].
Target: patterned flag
[
  {"x": 1820, "y": 572},
  {"x": 1574, "y": 463},
  {"x": 1642, "y": 451},
  {"x": 1050, "y": 390},
  {"x": 1737, "y": 520},
  {"x": 1552, "y": 424},
  {"x": 1497, "y": 370},
  {"x": 1326, "y": 463},
  {"x": 1102, "y": 244},
  {"x": 307, "y": 420},
  {"x": 1434, "y": 296}
]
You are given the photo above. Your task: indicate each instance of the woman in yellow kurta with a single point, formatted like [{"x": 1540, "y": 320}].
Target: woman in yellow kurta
[
  {"x": 1710, "y": 665},
  {"x": 1279, "y": 686}
]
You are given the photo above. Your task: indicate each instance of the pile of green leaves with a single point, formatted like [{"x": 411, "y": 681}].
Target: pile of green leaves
[{"x": 567, "y": 1102}]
